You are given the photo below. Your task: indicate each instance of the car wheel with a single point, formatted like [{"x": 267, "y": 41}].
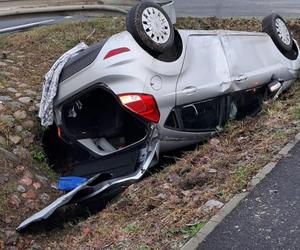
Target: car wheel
[
  {"x": 150, "y": 26},
  {"x": 276, "y": 27}
]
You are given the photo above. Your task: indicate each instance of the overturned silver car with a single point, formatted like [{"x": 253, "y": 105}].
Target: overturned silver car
[{"x": 153, "y": 89}]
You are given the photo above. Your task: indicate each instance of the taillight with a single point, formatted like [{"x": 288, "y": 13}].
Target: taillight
[
  {"x": 116, "y": 52},
  {"x": 59, "y": 132},
  {"x": 141, "y": 104}
]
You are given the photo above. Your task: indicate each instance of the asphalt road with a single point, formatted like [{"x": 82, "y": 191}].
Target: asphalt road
[
  {"x": 269, "y": 218},
  {"x": 10, "y": 24},
  {"x": 228, "y": 8},
  {"x": 196, "y": 8}
]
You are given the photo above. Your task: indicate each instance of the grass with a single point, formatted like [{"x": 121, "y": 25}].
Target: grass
[
  {"x": 187, "y": 231},
  {"x": 144, "y": 247},
  {"x": 6, "y": 190},
  {"x": 131, "y": 228},
  {"x": 280, "y": 134},
  {"x": 157, "y": 213},
  {"x": 242, "y": 176},
  {"x": 39, "y": 155},
  {"x": 296, "y": 113},
  {"x": 46, "y": 170}
]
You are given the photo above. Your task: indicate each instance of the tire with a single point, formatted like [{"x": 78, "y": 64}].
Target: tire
[
  {"x": 277, "y": 28},
  {"x": 140, "y": 27}
]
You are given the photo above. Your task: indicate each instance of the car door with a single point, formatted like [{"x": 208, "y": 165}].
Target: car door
[
  {"x": 203, "y": 81},
  {"x": 251, "y": 59}
]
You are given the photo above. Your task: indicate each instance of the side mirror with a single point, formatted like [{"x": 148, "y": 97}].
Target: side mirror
[{"x": 168, "y": 6}]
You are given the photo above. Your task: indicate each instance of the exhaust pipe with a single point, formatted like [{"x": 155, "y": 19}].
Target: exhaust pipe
[{"x": 274, "y": 86}]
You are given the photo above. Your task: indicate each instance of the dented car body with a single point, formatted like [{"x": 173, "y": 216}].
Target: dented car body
[
  {"x": 124, "y": 104},
  {"x": 194, "y": 94}
]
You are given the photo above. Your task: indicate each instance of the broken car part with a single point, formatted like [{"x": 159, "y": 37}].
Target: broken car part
[
  {"x": 68, "y": 183},
  {"x": 63, "y": 200},
  {"x": 96, "y": 185}
]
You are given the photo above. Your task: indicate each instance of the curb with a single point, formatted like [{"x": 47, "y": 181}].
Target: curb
[
  {"x": 47, "y": 9},
  {"x": 194, "y": 242}
]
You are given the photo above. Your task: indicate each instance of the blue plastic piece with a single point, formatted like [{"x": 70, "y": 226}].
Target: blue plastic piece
[{"x": 68, "y": 183}]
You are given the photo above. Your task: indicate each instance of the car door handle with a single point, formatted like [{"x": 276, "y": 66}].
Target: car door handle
[
  {"x": 189, "y": 90},
  {"x": 241, "y": 78}
]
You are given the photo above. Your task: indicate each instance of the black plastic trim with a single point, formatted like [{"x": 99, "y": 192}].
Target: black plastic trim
[
  {"x": 293, "y": 54},
  {"x": 116, "y": 165},
  {"x": 81, "y": 61},
  {"x": 223, "y": 112}
]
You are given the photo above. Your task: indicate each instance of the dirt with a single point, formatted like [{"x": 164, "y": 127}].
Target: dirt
[{"x": 163, "y": 210}]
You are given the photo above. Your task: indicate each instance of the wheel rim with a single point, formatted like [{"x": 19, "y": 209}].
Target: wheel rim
[
  {"x": 283, "y": 31},
  {"x": 156, "y": 25}
]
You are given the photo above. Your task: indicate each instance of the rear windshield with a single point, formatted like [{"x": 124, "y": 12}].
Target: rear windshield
[{"x": 81, "y": 61}]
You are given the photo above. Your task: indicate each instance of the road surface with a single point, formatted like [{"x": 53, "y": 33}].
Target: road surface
[
  {"x": 196, "y": 8},
  {"x": 245, "y": 8},
  {"x": 14, "y": 23},
  {"x": 269, "y": 218}
]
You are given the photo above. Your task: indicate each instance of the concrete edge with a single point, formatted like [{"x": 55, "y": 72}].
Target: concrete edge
[
  {"x": 194, "y": 242},
  {"x": 48, "y": 9}
]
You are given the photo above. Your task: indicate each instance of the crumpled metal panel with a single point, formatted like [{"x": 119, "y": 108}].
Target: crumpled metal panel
[
  {"x": 204, "y": 70},
  {"x": 254, "y": 60},
  {"x": 222, "y": 62}
]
